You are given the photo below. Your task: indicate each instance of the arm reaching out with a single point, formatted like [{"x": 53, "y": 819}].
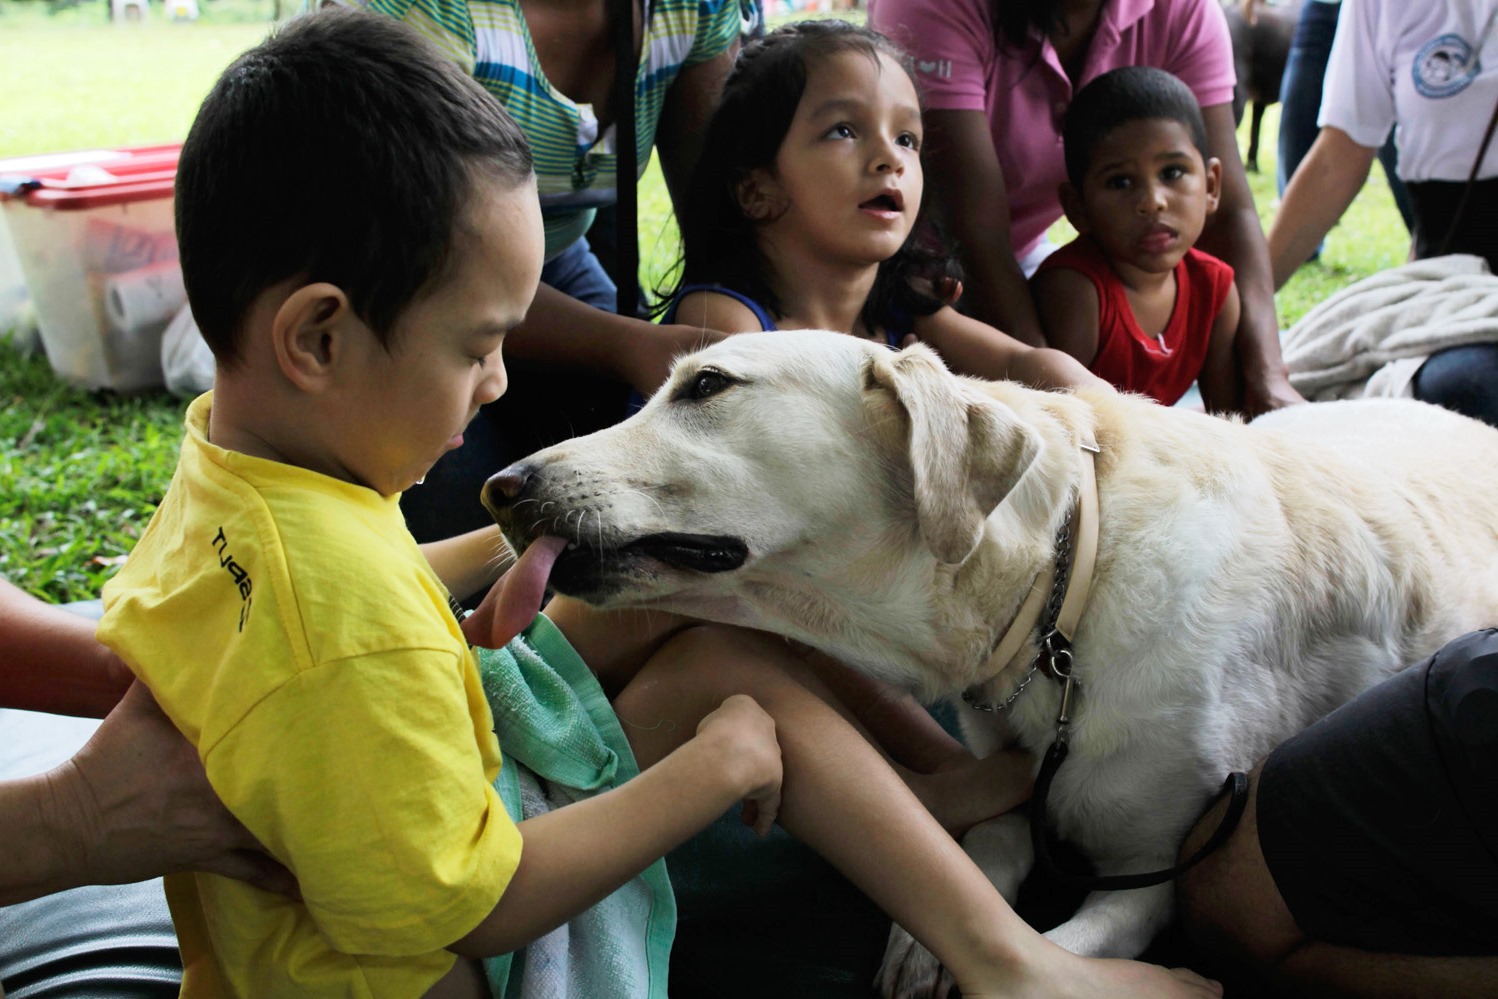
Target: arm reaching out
[
  {"x": 1235, "y": 235},
  {"x": 1324, "y": 185},
  {"x": 975, "y": 206},
  {"x": 51, "y": 660},
  {"x": 560, "y": 330},
  {"x": 578, "y": 854},
  {"x": 970, "y": 347},
  {"x": 1220, "y": 383}
]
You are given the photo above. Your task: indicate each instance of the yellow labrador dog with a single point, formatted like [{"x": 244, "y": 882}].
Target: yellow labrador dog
[{"x": 1246, "y": 578}]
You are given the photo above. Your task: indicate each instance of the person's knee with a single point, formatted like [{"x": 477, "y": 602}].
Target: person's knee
[
  {"x": 1462, "y": 379},
  {"x": 1229, "y": 903}
]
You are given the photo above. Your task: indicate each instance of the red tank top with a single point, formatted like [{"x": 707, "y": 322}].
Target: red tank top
[{"x": 1164, "y": 367}]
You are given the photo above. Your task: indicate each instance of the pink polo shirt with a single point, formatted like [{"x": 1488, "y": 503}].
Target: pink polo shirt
[{"x": 961, "y": 65}]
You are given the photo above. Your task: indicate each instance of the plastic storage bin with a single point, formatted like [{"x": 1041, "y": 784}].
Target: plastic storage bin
[
  {"x": 16, "y": 315},
  {"x": 94, "y": 236}
]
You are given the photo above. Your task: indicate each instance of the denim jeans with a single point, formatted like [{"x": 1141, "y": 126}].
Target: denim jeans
[
  {"x": 1300, "y": 100},
  {"x": 1464, "y": 379},
  {"x": 577, "y": 273},
  {"x": 539, "y": 408}
]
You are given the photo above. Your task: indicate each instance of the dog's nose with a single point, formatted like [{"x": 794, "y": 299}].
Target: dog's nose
[{"x": 505, "y": 487}]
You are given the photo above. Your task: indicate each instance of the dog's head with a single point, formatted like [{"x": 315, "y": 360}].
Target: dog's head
[{"x": 786, "y": 463}]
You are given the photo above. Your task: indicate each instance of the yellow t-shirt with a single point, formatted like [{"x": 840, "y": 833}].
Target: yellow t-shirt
[{"x": 290, "y": 626}]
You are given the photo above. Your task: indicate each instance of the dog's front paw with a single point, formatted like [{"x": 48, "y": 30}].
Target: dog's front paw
[
  {"x": 1116, "y": 923},
  {"x": 910, "y": 971}
]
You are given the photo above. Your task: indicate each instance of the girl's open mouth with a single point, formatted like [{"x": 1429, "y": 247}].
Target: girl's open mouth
[{"x": 889, "y": 203}]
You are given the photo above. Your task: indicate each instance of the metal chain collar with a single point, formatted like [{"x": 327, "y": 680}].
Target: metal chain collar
[{"x": 1048, "y": 624}]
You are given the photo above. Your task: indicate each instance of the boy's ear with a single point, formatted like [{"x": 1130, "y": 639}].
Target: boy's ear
[
  {"x": 1214, "y": 183},
  {"x": 1071, "y": 204},
  {"x": 309, "y": 334},
  {"x": 758, "y": 196}
]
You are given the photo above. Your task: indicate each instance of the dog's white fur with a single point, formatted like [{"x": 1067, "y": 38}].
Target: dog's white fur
[{"x": 1249, "y": 577}]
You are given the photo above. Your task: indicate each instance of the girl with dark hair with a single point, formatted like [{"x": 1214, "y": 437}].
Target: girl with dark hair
[{"x": 805, "y": 208}]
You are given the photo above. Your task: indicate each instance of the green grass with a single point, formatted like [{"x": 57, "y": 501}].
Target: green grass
[
  {"x": 88, "y": 84},
  {"x": 82, "y": 471}
]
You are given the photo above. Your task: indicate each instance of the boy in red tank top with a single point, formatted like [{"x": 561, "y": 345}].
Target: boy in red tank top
[{"x": 1130, "y": 297}]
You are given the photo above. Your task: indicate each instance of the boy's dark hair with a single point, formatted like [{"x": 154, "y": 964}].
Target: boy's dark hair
[
  {"x": 342, "y": 149},
  {"x": 1120, "y": 96},
  {"x": 754, "y": 114}
]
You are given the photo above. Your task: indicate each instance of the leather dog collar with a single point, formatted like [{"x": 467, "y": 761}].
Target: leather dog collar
[{"x": 1076, "y": 585}]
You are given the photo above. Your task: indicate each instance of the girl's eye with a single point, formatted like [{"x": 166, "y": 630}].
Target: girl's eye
[
  {"x": 842, "y": 130},
  {"x": 1117, "y": 183},
  {"x": 909, "y": 140},
  {"x": 706, "y": 384},
  {"x": 1172, "y": 173}
]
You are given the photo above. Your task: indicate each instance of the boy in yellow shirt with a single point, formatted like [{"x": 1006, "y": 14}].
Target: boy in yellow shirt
[{"x": 359, "y": 228}]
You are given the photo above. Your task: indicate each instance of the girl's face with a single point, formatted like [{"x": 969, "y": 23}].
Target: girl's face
[{"x": 847, "y": 179}]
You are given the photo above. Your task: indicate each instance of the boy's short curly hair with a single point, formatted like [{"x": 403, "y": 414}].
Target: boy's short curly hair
[
  {"x": 344, "y": 149},
  {"x": 1120, "y": 96}
]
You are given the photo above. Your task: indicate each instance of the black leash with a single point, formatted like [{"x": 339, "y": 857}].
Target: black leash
[
  {"x": 1236, "y": 785},
  {"x": 1054, "y": 659},
  {"x": 1461, "y": 205}
]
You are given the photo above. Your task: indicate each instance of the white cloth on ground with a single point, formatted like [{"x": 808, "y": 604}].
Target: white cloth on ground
[{"x": 1370, "y": 338}]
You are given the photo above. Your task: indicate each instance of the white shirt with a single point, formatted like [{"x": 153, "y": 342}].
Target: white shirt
[{"x": 1428, "y": 66}]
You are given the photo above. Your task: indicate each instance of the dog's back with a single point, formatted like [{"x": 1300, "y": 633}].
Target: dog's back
[
  {"x": 1250, "y": 579},
  {"x": 1424, "y": 477}
]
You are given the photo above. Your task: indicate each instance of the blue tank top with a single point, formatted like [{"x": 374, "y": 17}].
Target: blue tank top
[{"x": 894, "y": 331}]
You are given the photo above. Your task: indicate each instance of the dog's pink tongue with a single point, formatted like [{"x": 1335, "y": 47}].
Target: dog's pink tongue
[{"x": 516, "y": 598}]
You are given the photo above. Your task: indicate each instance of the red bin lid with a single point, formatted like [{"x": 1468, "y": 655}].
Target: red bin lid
[{"x": 90, "y": 178}]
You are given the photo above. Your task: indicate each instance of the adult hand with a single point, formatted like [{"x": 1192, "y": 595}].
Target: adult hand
[
  {"x": 1268, "y": 391},
  {"x": 135, "y": 803}
]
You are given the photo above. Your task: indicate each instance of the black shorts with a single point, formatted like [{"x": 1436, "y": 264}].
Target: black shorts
[{"x": 1379, "y": 823}]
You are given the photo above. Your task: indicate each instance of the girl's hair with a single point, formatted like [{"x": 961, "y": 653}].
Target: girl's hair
[{"x": 753, "y": 116}]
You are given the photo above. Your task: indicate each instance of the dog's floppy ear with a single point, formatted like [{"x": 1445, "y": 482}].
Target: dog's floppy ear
[{"x": 966, "y": 452}]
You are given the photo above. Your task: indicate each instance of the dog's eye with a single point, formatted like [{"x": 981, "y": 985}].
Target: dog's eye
[{"x": 707, "y": 382}]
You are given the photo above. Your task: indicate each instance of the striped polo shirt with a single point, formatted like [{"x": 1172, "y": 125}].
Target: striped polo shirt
[{"x": 575, "y": 165}]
